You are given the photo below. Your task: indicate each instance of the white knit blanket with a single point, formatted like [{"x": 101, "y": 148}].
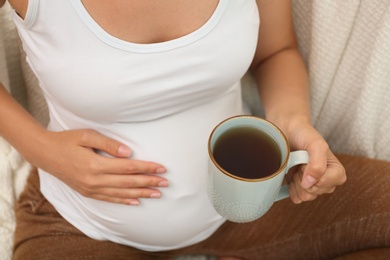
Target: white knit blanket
[
  {"x": 13, "y": 169},
  {"x": 347, "y": 48},
  {"x": 346, "y": 45},
  {"x": 13, "y": 173}
]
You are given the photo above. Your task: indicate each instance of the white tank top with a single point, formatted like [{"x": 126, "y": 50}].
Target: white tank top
[{"x": 161, "y": 99}]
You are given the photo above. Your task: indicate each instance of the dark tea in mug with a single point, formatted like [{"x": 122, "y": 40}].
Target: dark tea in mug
[{"x": 247, "y": 152}]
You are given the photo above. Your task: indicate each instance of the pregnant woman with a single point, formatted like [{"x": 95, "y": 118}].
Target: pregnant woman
[{"x": 134, "y": 89}]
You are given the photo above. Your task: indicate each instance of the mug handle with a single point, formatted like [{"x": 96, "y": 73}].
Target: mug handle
[{"x": 296, "y": 157}]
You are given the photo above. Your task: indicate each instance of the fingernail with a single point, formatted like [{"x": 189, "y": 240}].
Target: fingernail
[
  {"x": 308, "y": 181},
  {"x": 155, "y": 195},
  {"x": 298, "y": 201},
  {"x": 161, "y": 170},
  {"x": 163, "y": 184},
  {"x": 123, "y": 150},
  {"x": 134, "y": 202}
]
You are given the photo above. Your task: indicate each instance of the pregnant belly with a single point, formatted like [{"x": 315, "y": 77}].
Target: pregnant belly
[{"x": 184, "y": 215}]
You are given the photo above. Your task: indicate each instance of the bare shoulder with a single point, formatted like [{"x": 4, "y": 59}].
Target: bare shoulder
[{"x": 20, "y": 6}]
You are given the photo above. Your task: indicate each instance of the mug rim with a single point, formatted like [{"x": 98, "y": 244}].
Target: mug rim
[{"x": 277, "y": 172}]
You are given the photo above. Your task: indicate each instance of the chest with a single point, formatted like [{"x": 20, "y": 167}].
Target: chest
[
  {"x": 86, "y": 70},
  {"x": 149, "y": 21}
]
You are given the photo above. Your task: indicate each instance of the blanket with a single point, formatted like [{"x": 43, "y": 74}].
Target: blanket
[
  {"x": 13, "y": 169},
  {"x": 346, "y": 47}
]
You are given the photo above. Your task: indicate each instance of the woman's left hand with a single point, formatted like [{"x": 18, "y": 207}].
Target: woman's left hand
[
  {"x": 283, "y": 84},
  {"x": 324, "y": 171}
]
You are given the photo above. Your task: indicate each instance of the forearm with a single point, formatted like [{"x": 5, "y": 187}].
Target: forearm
[
  {"x": 283, "y": 88},
  {"x": 18, "y": 127}
]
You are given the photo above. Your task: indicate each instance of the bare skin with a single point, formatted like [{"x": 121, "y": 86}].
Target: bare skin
[{"x": 277, "y": 66}]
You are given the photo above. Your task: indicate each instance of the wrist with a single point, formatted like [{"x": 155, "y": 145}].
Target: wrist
[
  {"x": 34, "y": 144},
  {"x": 287, "y": 122}
]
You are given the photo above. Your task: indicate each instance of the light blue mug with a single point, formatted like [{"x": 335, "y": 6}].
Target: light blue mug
[{"x": 244, "y": 200}]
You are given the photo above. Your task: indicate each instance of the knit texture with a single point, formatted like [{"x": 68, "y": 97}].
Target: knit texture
[
  {"x": 346, "y": 47},
  {"x": 345, "y": 44},
  {"x": 13, "y": 169}
]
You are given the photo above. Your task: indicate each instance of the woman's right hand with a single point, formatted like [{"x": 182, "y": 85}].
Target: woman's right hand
[{"x": 71, "y": 156}]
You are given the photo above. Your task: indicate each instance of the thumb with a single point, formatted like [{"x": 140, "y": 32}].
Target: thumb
[
  {"x": 315, "y": 169},
  {"x": 95, "y": 140}
]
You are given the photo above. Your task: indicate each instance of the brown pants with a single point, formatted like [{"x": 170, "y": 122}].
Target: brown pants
[{"x": 351, "y": 223}]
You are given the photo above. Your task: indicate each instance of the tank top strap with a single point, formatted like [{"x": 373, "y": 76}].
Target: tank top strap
[{"x": 31, "y": 14}]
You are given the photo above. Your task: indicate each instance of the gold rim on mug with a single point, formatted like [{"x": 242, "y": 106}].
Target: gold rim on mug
[{"x": 280, "y": 169}]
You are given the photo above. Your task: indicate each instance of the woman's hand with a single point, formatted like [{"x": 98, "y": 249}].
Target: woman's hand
[
  {"x": 71, "y": 157},
  {"x": 283, "y": 85},
  {"x": 324, "y": 171}
]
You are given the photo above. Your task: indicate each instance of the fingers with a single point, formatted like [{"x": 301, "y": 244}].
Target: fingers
[
  {"x": 124, "y": 196},
  {"x": 317, "y": 166},
  {"x": 125, "y": 189},
  {"x": 125, "y": 166},
  {"x": 92, "y": 139},
  {"x": 132, "y": 202},
  {"x": 128, "y": 182},
  {"x": 333, "y": 175},
  {"x": 122, "y": 180},
  {"x": 121, "y": 188},
  {"x": 118, "y": 179},
  {"x": 322, "y": 174},
  {"x": 297, "y": 193}
]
